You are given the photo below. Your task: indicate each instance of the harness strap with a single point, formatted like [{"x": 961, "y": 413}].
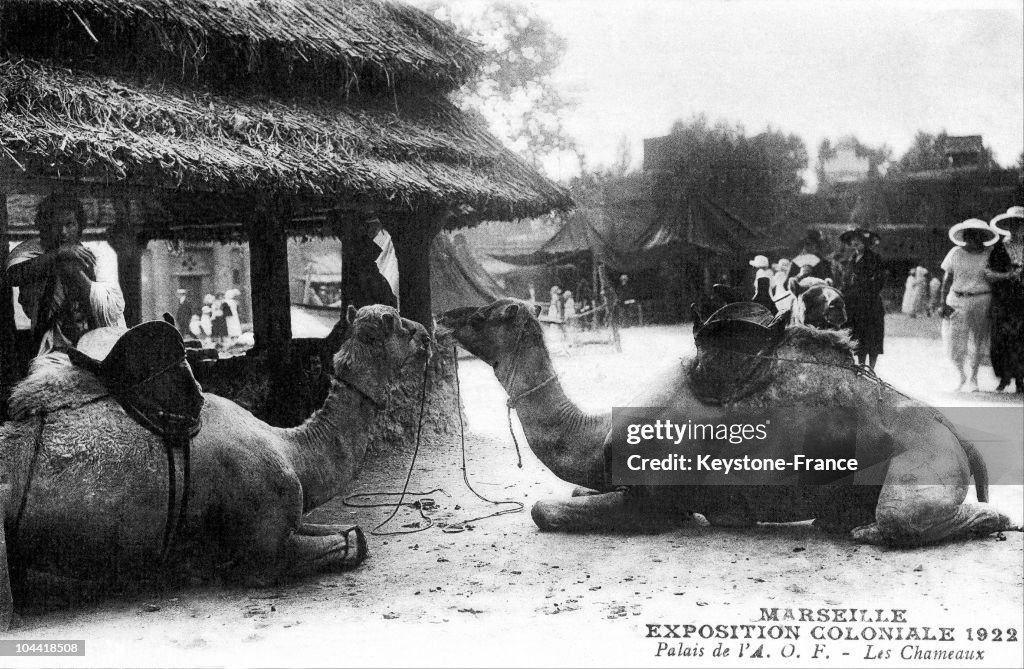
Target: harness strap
[
  {"x": 512, "y": 401},
  {"x": 28, "y": 481},
  {"x": 359, "y": 391}
]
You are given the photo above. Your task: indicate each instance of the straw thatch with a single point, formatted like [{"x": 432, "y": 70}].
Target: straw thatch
[
  {"x": 299, "y": 47},
  {"x": 59, "y": 121}
]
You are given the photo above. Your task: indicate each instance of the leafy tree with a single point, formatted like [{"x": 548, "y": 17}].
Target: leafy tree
[
  {"x": 757, "y": 177},
  {"x": 514, "y": 92},
  {"x": 926, "y": 153}
]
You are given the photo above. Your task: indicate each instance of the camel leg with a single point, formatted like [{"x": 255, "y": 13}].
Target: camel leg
[
  {"x": 912, "y": 515},
  {"x": 612, "y": 511},
  {"x": 916, "y": 526},
  {"x": 317, "y": 548},
  {"x": 6, "y": 600}
]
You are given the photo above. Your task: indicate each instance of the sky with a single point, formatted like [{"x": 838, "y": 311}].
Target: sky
[{"x": 815, "y": 68}]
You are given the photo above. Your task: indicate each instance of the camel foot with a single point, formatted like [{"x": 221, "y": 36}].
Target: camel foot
[
  {"x": 868, "y": 534},
  {"x": 609, "y": 512},
  {"x": 317, "y": 548},
  {"x": 907, "y": 529}
]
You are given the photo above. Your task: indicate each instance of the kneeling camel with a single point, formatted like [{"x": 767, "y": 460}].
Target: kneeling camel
[
  {"x": 919, "y": 498},
  {"x": 87, "y": 485}
]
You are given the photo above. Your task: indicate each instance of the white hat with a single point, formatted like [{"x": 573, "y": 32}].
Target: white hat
[
  {"x": 1012, "y": 212},
  {"x": 760, "y": 262},
  {"x": 956, "y": 233}
]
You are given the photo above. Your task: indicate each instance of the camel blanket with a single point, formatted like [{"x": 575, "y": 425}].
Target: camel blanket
[{"x": 54, "y": 384}]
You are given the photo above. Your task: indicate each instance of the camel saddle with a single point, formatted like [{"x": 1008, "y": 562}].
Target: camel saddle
[
  {"x": 147, "y": 373},
  {"x": 744, "y": 327}
]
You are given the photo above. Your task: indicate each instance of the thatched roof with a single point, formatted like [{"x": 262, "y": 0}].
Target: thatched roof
[
  {"x": 298, "y": 47},
  {"x": 407, "y": 152}
]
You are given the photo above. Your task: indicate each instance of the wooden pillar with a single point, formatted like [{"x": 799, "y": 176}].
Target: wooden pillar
[
  {"x": 268, "y": 265},
  {"x": 271, "y": 312},
  {"x": 412, "y": 237},
  {"x": 129, "y": 247},
  {"x": 8, "y": 350}
]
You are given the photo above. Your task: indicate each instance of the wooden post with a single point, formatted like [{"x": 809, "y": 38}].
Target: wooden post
[
  {"x": 268, "y": 264},
  {"x": 271, "y": 312},
  {"x": 126, "y": 244},
  {"x": 8, "y": 349},
  {"x": 412, "y": 237}
]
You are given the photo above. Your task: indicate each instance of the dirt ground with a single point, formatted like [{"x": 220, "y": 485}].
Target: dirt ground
[{"x": 501, "y": 593}]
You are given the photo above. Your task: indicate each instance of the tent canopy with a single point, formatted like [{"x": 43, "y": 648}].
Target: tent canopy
[{"x": 639, "y": 235}]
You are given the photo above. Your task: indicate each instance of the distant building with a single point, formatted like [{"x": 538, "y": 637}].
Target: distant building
[
  {"x": 966, "y": 151},
  {"x": 846, "y": 167}
]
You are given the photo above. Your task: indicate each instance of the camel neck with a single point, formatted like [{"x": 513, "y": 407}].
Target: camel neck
[
  {"x": 327, "y": 450},
  {"x": 566, "y": 439}
]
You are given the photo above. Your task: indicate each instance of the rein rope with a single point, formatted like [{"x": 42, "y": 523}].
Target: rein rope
[{"x": 427, "y": 504}]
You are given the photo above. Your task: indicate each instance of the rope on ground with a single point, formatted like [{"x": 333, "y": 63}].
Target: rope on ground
[
  {"x": 418, "y": 505},
  {"x": 462, "y": 525},
  {"x": 427, "y": 503}
]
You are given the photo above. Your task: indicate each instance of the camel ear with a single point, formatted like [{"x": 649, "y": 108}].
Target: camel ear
[
  {"x": 350, "y": 315},
  {"x": 829, "y": 283},
  {"x": 698, "y": 318},
  {"x": 169, "y": 319}
]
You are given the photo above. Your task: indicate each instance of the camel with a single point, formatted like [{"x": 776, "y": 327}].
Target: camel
[
  {"x": 917, "y": 498},
  {"x": 92, "y": 502},
  {"x": 817, "y": 304}
]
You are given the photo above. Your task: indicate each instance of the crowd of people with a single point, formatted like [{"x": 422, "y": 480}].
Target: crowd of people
[
  {"x": 216, "y": 323},
  {"x": 980, "y": 297},
  {"x": 856, "y": 270}
]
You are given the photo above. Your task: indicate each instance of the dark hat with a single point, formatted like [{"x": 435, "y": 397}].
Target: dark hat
[{"x": 869, "y": 237}]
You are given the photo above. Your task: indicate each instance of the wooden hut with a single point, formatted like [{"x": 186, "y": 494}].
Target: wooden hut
[{"x": 250, "y": 120}]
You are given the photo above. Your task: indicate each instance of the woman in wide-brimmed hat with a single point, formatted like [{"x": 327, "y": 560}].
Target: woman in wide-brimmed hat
[
  {"x": 967, "y": 295},
  {"x": 1007, "y": 277},
  {"x": 863, "y": 281}
]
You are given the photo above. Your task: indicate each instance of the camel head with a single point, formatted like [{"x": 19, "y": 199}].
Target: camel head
[
  {"x": 378, "y": 345},
  {"x": 818, "y": 304},
  {"x": 496, "y": 331}
]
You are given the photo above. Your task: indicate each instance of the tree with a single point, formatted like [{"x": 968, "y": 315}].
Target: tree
[
  {"x": 514, "y": 92},
  {"x": 758, "y": 178},
  {"x": 927, "y": 153}
]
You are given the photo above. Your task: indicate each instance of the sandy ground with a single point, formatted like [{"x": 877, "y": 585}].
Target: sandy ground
[{"x": 504, "y": 594}]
